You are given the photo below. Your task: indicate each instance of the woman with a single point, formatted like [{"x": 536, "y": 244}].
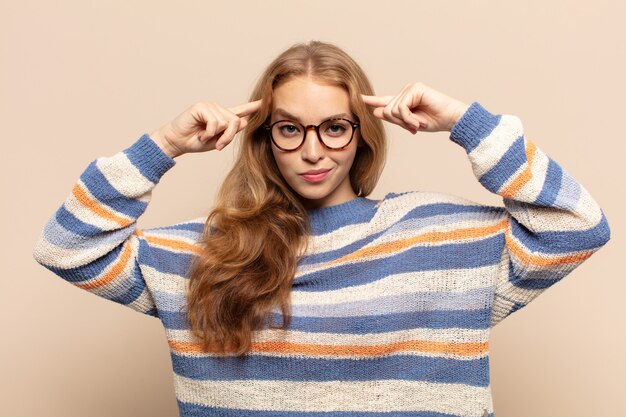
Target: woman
[{"x": 298, "y": 293}]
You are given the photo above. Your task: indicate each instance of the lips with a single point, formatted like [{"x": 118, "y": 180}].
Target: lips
[
  {"x": 315, "y": 175},
  {"x": 315, "y": 171}
]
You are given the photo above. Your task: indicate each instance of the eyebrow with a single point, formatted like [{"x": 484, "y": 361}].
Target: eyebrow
[{"x": 290, "y": 116}]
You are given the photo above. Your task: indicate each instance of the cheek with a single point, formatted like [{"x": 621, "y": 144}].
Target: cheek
[
  {"x": 282, "y": 161},
  {"x": 349, "y": 158}
]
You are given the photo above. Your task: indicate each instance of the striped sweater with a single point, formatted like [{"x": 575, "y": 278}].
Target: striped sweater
[{"x": 392, "y": 303}]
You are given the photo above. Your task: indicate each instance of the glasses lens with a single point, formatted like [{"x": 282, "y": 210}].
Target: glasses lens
[
  {"x": 287, "y": 135},
  {"x": 336, "y": 133}
]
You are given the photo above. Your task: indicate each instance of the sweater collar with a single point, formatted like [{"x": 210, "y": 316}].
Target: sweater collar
[{"x": 329, "y": 218}]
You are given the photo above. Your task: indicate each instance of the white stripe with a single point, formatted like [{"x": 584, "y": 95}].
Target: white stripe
[
  {"x": 124, "y": 176},
  {"x": 401, "y": 283},
  {"x": 532, "y": 188},
  {"x": 491, "y": 149},
  {"x": 376, "y": 395},
  {"x": 169, "y": 283},
  {"x": 569, "y": 193},
  {"x": 55, "y": 256}
]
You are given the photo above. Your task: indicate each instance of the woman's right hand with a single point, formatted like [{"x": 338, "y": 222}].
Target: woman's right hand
[{"x": 203, "y": 127}]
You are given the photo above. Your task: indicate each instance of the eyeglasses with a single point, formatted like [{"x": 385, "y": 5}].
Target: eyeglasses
[{"x": 334, "y": 134}]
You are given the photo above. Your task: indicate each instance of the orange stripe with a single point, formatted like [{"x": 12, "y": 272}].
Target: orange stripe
[
  {"x": 539, "y": 260},
  {"x": 465, "y": 349},
  {"x": 523, "y": 176},
  {"x": 97, "y": 208},
  {"x": 115, "y": 271},
  {"x": 173, "y": 244},
  {"x": 389, "y": 247}
]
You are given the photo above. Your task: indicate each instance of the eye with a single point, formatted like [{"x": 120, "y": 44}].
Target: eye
[
  {"x": 288, "y": 129},
  {"x": 336, "y": 128}
]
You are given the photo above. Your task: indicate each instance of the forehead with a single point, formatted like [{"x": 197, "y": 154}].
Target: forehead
[{"x": 310, "y": 100}]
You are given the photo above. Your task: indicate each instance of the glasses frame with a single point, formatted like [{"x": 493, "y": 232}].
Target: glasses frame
[{"x": 306, "y": 130}]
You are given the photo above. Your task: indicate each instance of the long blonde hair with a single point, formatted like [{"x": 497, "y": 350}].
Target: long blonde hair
[{"x": 258, "y": 228}]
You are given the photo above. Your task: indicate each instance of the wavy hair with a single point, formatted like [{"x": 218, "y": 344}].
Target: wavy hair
[{"x": 258, "y": 228}]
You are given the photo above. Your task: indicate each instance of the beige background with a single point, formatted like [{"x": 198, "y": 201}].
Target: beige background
[{"x": 85, "y": 79}]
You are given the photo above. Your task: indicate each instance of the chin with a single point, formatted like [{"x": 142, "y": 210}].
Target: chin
[{"x": 312, "y": 196}]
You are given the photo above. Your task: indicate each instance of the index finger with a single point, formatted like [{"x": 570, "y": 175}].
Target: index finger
[
  {"x": 376, "y": 101},
  {"x": 246, "y": 109}
]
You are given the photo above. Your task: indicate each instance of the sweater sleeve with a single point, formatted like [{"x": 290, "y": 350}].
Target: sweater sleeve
[
  {"x": 550, "y": 224},
  {"x": 92, "y": 241}
]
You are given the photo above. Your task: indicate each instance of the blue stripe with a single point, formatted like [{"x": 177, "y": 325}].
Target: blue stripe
[
  {"x": 58, "y": 235},
  {"x": 73, "y": 224},
  {"x": 193, "y": 227},
  {"x": 475, "y": 125},
  {"x": 569, "y": 194},
  {"x": 99, "y": 187},
  {"x": 174, "y": 320},
  {"x": 551, "y": 185},
  {"x": 165, "y": 261},
  {"x": 327, "y": 219},
  {"x": 467, "y": 319},
  {"x": 149, "y": 159},
  {"x": 152, "y": 312},
  {"x": 510, "y": 162},
  {"x": 476, "y": 298},
  {"x": 195, "y": 410},
  {"x": 439, "y": 209},
  {"x": 408, "y": 367},
  {"x": 516, "y": 306},
  {"x": 382, "y": 323}
]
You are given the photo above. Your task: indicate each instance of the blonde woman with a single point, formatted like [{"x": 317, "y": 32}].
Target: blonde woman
[{"x": 298, "y": 295}]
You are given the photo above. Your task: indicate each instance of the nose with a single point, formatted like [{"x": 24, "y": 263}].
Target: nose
[{"x": 312, "y": 150}]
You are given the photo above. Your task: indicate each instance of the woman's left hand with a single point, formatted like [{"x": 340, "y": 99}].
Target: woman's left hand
[{"x": 418, "y": 108}]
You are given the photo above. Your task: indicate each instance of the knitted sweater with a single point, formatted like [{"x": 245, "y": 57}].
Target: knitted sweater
[{"x": 392, "y": 303}]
